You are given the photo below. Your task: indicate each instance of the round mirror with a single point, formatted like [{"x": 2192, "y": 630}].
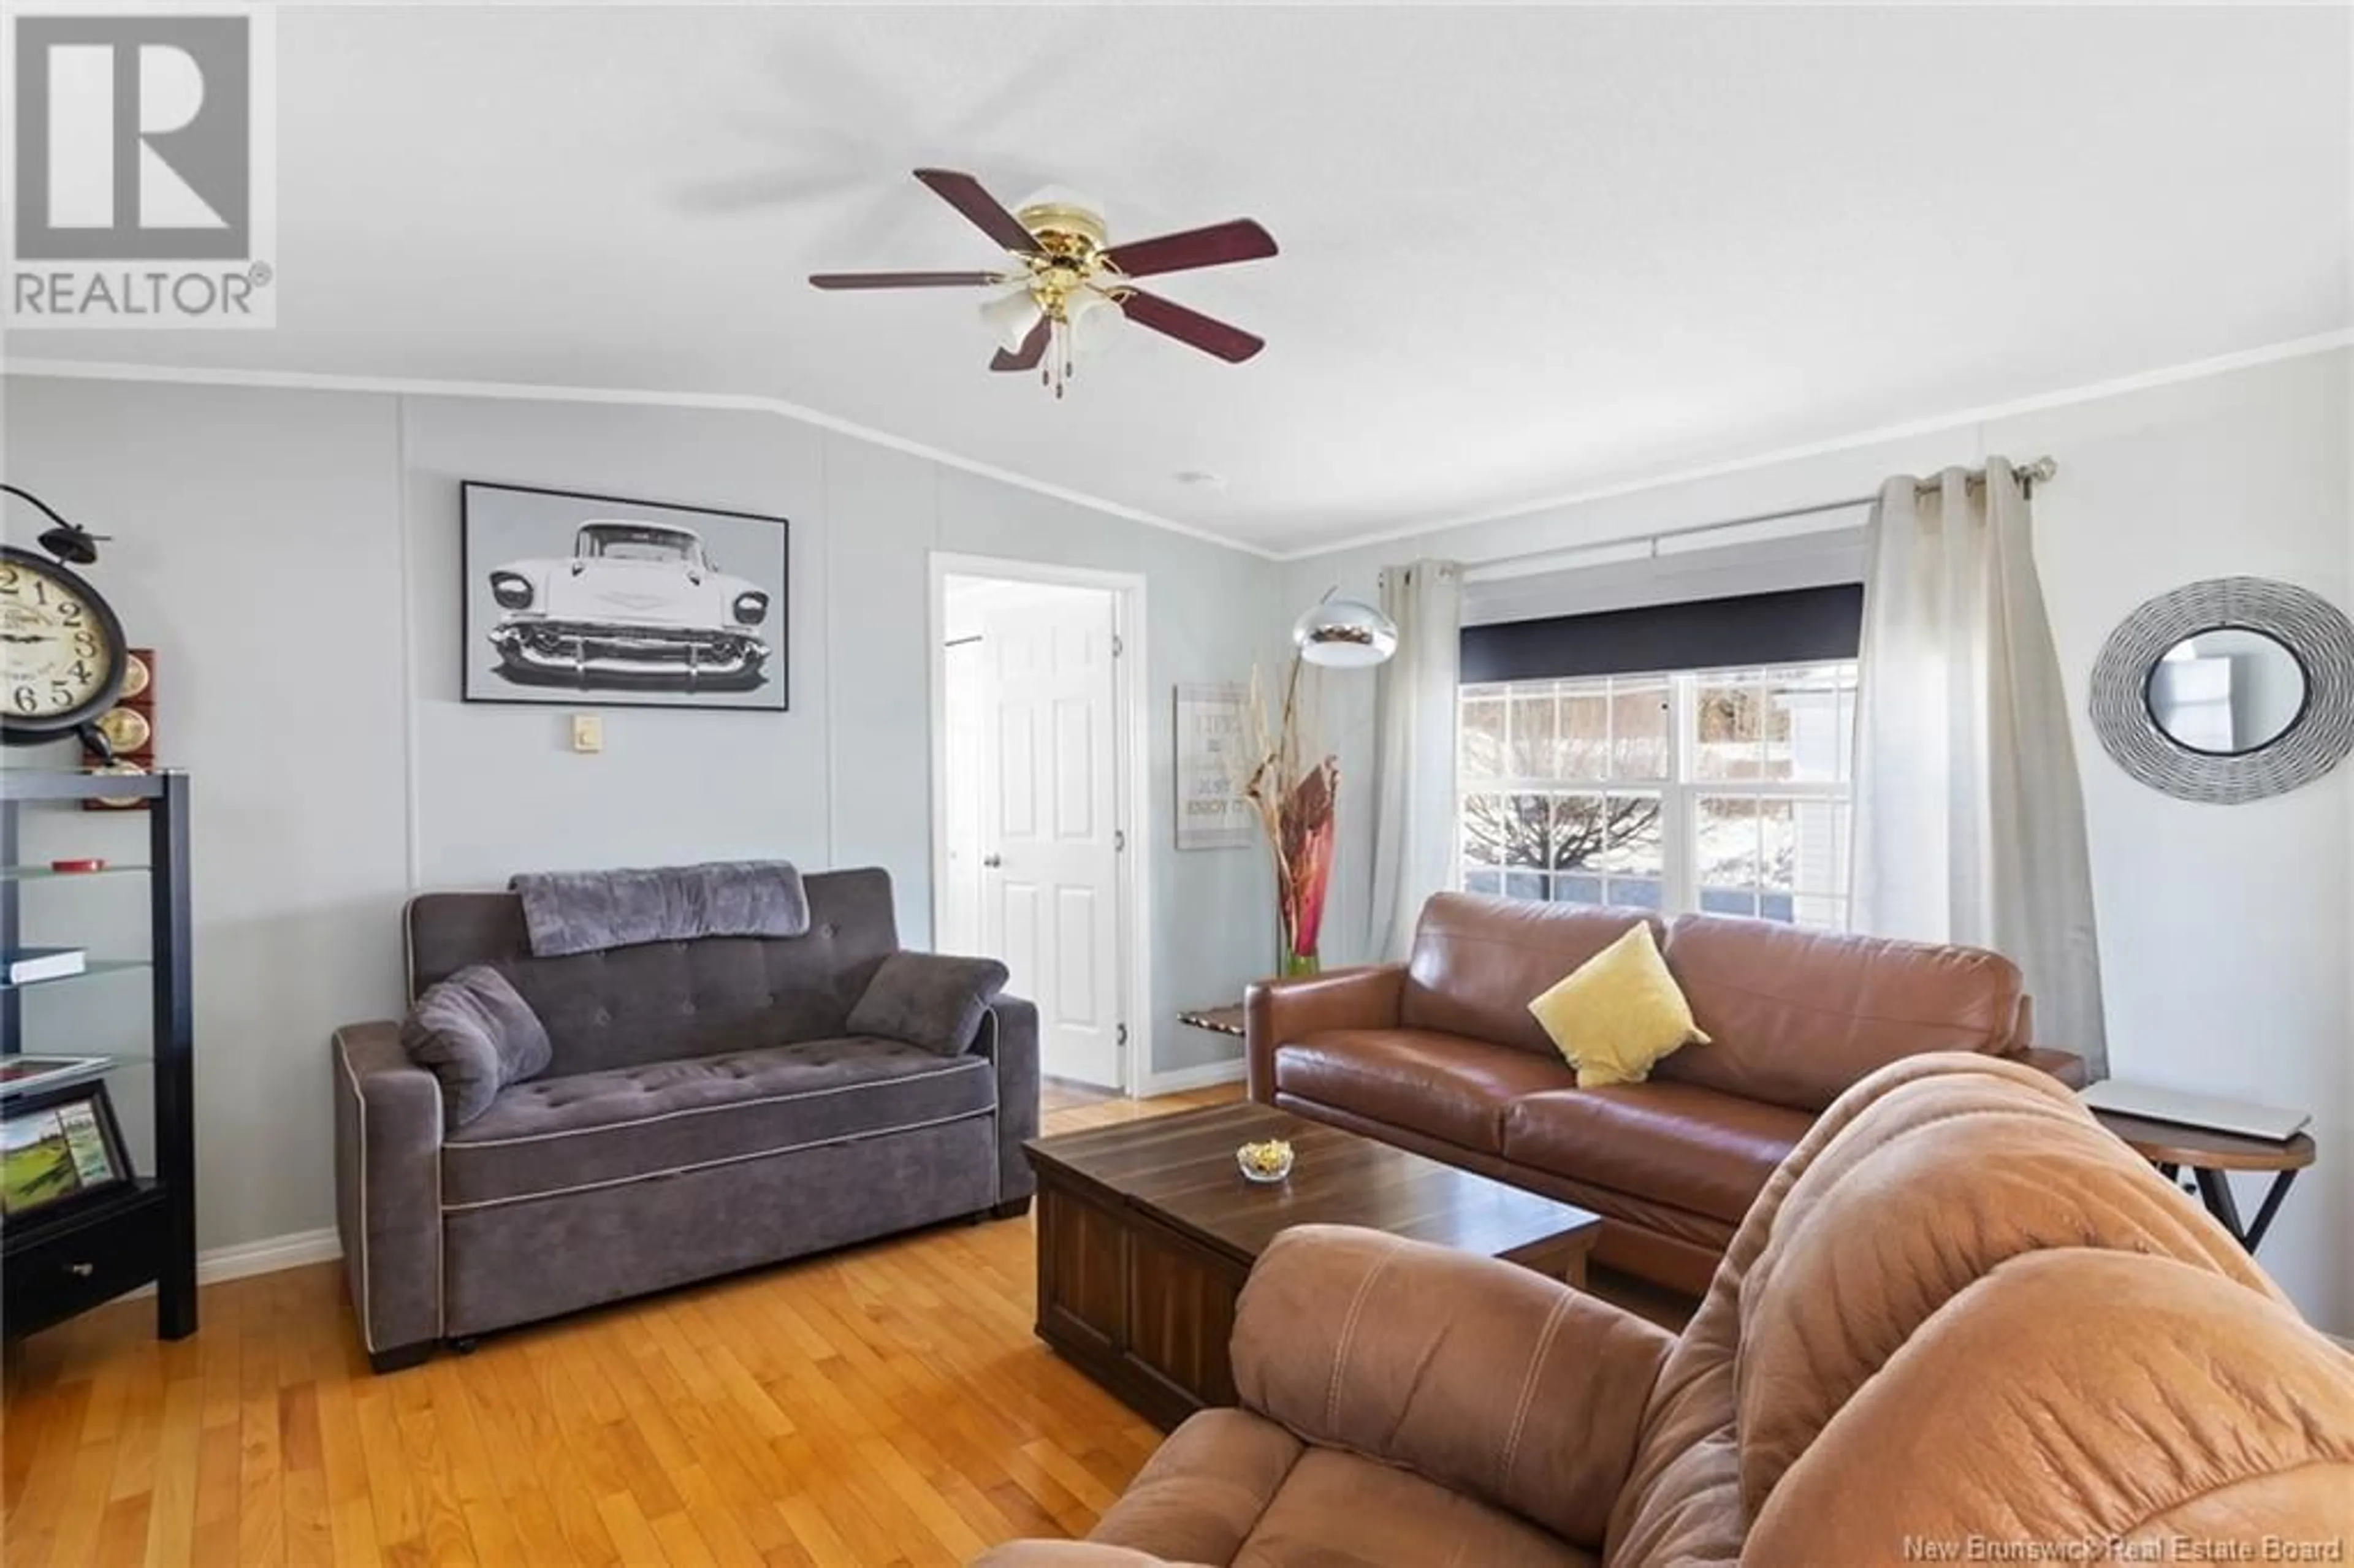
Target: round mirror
[{"x": 2226, "y": 690}]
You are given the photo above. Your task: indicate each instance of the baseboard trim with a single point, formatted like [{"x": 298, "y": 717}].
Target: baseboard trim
[
  {"x": 1207, "y": 1076},
  {"x": 268, "y": 1256}
]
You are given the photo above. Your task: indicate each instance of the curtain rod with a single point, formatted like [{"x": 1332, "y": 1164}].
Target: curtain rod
[{"x": 2030, "y": 474}]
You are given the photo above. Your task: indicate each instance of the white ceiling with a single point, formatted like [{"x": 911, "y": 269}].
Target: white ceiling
[{"x": 1524, "y": 252}]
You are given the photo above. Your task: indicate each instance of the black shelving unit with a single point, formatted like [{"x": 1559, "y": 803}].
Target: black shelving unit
[{"x": 51, "y": 1268}]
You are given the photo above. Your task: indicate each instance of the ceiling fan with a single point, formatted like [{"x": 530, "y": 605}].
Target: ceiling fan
[{"x": 1065, "y": 277}]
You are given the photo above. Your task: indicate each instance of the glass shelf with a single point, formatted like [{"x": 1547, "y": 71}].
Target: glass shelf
[
  {"x": 95, "y": 966},
  {"x": 147, "y": 1071},
  {"x": 46, "y": 873},
  {"x": 31, "y": 1230},
  {"x": 93, "y": 1066},
  {"x": 80, "y": 784}
]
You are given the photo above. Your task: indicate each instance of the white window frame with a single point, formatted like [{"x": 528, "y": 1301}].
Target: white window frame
[{"x": 1680, "y": 791}]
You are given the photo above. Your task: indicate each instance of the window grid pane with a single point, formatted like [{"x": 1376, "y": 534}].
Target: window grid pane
[
  {"x": 1728, "y": 717},
  {"x": 1480, "y": 735},
  {"x": 1584, "y": 730},
  {"x": 1759, "y": 827},
  {"x": 1535, "y": 734},
  {"x": 1641, "y": 747}
]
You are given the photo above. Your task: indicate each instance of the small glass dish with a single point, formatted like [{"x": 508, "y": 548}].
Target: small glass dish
[{"x": 1267, "y": 1161}]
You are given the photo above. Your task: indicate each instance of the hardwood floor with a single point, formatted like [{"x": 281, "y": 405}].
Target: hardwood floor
[{"x": 881, "y": 1406}]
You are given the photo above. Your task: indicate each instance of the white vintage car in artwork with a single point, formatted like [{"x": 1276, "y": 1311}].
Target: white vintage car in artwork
[{"x": 638, "y": 606}]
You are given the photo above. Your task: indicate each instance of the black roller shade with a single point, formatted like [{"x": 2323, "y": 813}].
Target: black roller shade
[{"x": 1795, "y": 626}]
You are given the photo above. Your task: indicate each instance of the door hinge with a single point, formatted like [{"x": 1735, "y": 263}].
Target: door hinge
[
  {"x": 1120, "y": 1035},
  {"x": 1117, "y": 647},
  {"x": 1118, "y": 841}
]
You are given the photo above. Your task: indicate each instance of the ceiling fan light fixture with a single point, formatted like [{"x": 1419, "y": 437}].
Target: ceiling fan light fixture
[
  {"x": 1095, "y": 317},
  {"x": 1011, "y": 316},
  {"x": 1062, "y": 210},
  {"x": 1344, "y": 634},
  {"x": 1064, "y": 275}
]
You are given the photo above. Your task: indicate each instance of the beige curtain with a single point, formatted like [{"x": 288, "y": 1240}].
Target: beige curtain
[
  {"x": 1969, "y": 817},
  {"x": 1414, "y": 744}
]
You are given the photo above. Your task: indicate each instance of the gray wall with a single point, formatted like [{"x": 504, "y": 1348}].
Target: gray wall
[
  {"x": 2225, "y": 931},
  {"x": 292, "y": 555},
  {"x": 257, "y": 548}
]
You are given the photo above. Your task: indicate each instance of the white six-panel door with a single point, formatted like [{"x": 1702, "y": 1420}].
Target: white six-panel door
[
  {"x": 960, "y": 907},
  {"x": 1049, "y": 821}
]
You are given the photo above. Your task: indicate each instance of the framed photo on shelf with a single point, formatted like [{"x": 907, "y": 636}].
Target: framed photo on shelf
[
  {"x": 1211, "y": 813},
  {"x": 60, "y": 1149},
  {"x": 22, "y": 1074},
  {"x": 571, "y": 599}
]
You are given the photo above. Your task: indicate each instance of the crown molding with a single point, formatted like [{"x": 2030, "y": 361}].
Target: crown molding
[
  {"x": 414, "y": 386},
  {"x": 2168, "y": 375},
  {"x": 526, "y": 392}
]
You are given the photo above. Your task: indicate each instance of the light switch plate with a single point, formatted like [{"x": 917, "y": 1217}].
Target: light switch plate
[{"x": 587, "y": 733}]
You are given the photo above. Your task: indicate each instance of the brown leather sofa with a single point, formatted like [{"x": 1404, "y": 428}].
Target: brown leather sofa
[
  {"x": 1963, "y": 1323},
  {"x": 1441, "y": 1054}
]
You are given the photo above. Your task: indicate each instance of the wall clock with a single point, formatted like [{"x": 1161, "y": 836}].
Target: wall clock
[{"x": 63, "y": 657}]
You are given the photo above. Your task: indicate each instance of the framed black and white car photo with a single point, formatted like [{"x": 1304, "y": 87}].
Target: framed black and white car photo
[{"x": 573, "y": 598}]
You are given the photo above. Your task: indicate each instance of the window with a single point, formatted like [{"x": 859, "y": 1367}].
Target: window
[
  {"x": 620, "y": 541},
  {"x": 1723, "y": 790}
]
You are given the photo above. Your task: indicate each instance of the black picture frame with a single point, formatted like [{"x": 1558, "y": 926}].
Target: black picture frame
[
  {"x": 546, "y": 661},
  {"x": 54, "y": 1106}
]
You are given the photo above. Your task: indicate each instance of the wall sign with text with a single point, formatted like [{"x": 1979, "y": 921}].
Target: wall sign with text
[{"x": 1211, "y": 814}]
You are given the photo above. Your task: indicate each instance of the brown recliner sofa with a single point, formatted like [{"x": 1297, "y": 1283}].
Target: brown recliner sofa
[
  {"x": 1962, "y": 1323},
  {"x": 1441, "y": 1054}
]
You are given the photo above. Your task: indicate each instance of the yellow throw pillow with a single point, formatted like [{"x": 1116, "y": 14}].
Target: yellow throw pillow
[{"x": 1618, "y": 1013}]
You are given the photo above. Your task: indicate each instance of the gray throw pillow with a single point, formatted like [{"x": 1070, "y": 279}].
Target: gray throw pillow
[
  {"x": 475, "y": 1033},
  {"x": 928, "y": 1000}
]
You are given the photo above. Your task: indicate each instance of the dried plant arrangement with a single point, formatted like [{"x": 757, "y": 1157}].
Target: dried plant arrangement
[{"x": 1294, "y": 799}]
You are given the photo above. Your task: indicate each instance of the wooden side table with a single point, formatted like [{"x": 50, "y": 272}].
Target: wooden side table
[
  {"x": 1226, "y": 1020},
  {"x": 2210, "y": 1156}
]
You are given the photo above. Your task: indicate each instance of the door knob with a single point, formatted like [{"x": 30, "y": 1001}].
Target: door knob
[{"x": 991, "y": 861}]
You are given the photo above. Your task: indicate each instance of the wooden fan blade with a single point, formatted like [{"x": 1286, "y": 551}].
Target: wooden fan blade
[
  {"x": 1190, "y": 327},
  {"x": 981, "y": 209},
  {"x": 1241, "y": 240},
  {"x": 900, "y": 279},
  {"x": 1033, "y": 350}
]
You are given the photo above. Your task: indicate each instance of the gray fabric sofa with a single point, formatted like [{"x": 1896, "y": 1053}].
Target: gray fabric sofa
[{"x": 705, "y": 1113}]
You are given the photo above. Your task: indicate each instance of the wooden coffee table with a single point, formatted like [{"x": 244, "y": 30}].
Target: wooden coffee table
[{"x": 1146, "y": 1232}]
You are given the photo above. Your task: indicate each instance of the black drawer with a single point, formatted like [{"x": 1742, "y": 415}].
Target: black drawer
[{"x": 48, "y": 1277}]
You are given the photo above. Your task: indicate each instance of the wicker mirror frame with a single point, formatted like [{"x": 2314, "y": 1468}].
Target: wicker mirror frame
[{"x": 2313, "y": 630}]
